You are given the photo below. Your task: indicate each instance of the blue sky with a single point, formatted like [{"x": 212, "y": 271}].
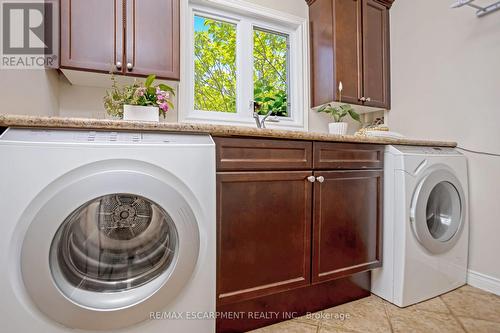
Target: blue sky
[{"x": 199, "y": 23}]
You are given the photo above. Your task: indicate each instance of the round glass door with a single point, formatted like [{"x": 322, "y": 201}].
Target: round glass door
[
  {"x": 106, "y": 247},
  {"x": 443, "y": 211},
  {"x": 438, "y": 210},
  {"x": 113, "y": 243}
]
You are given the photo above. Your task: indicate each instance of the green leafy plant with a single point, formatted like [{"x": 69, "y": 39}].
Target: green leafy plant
[
  {"x": 215, "y": 68},
  {"x": 339, "y": 112},
  {"x": 143, "y": 94}
]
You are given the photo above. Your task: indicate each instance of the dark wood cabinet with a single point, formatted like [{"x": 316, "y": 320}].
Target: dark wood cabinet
[
  {"x": 153, "y": 37},
  {"x": 91, "y": 34},
  {"x": 347, "y": 223},
  {"x": 264, "y": 225},
  {"x": 294, "y": 218},
  {"x": 376, "y": 87},
  {"x": 133, "y": 37},
  {"x": 350, "y": 44}
]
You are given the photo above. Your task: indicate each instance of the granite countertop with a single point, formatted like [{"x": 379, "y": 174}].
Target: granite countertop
[{"x": 8, "y": 120}]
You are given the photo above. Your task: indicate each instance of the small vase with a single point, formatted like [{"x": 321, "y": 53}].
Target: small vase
[
  {"x": 337, "y": 128},
  {"x": 141, "y": 113}
]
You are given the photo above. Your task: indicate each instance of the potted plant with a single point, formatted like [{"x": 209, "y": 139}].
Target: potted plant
[
  {"x": 338, "y": 113},
  {"x": 139, "y": 101}
]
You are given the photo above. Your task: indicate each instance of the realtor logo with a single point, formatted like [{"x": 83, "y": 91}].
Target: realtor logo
[{"x": 28, "y": 35}]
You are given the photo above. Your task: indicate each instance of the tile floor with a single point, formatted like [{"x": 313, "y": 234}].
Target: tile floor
[{"x": 466, "y": 309}]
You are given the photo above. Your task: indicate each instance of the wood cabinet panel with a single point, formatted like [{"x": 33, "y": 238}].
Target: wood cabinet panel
[
  {"x": 141, "y": 36},
  {"x": 262, "y": 154},
  {"x": 376, "y": 86},
  {"x": 347, "y": 225},
  {"x": 322, "y": 61},
  {"x": 348, "y": 50},
  {"x": 91, "y": 34},
  {"x": 350, "y": 43},
  {"x": 329, "y": 155},
  {"x": 153, "y": 38},
  {"x": 264, "y": 224}
]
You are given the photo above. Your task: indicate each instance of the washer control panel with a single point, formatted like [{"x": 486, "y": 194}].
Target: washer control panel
[{"x": 103, "y": 137}]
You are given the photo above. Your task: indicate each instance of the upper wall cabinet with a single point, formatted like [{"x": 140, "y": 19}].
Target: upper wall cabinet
[
  {"x": 350, "y": 44},
  {"x": 134, "y": 37}
]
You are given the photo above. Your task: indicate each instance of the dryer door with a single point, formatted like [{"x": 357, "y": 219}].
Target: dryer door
[
  {"x": 438, "y": 210},
  {"x": 108, "y": 244}
]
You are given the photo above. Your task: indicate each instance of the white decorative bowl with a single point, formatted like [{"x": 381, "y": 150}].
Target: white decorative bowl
[
  {"x": 337, "y": 128},
  {"x": 141, "y": 113}
]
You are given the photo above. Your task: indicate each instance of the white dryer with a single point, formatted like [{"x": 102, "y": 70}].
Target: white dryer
[
  {"x": 426, "y": 227},
  {"x": 109, "y": 231}
]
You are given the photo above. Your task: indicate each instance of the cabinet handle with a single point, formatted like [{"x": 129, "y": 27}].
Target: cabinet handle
[
  {"x": 311, "y": 179},
  {"x": 130, "y": 66},
  {"x": 368, "y": 99},
  {"x": 118, "y": 65},
  {"x": 320, "y": 179},
  {"x": 362, "y": 99}
]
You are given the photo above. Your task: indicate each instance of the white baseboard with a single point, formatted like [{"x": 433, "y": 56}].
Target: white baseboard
[{"x": 482, "y": 281}]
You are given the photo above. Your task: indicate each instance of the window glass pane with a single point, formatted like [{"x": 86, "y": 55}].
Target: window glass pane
[
  {"x": 270, "y": 55},
  {"x": 215, "y": 65}
]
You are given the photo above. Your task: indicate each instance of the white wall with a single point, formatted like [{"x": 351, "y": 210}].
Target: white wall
[
  {"x": 446, "y": 85},
  {"x": 30, "y": 92}
]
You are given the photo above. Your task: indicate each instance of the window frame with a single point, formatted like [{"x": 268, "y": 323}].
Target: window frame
[{"x": 246, "y": 16}]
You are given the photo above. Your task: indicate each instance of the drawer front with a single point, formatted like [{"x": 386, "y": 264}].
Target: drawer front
[
  {"x": 329, "y": 155},
  {"x": 262, "y": 154}
]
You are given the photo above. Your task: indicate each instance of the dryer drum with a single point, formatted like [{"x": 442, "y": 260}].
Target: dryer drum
[{"x": 114, "y": 243}]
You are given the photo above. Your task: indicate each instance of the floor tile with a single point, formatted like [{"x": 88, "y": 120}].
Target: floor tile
[
  {"x": 416, "y": 320},
  {"x": 365, "y": 315},
  {"x": 432, "y": 305},
  {"x": 290, "y": 326},
  {"x": 472, "y": 289},
  {"x": 476, "y": 305},
  {"x": 312, "y": 318},
  {"x": 479, "y": 326}
]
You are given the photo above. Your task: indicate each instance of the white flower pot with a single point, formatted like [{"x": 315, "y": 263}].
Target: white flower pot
[
  {"x": 141, "y": 113},
  {"x": 337, "y": 128}
]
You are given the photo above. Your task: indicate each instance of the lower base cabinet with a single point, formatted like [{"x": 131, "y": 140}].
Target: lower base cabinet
[
  {"x": 264, "y": 230},
  {"x": 299, "y": 238},
  {"x": 347, "y": 223}
]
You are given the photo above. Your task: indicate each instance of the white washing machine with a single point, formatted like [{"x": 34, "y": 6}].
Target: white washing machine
[
  {"x": 109, "y": 231},
  {"x": 426, "y": 226}
]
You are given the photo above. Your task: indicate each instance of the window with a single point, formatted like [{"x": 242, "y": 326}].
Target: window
[
  {"x": 214, "y": 65},
  {"x": 240, "y": 61}
]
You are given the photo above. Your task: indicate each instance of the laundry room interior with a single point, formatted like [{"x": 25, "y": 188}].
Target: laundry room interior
[{"x": 249, "y": 166}]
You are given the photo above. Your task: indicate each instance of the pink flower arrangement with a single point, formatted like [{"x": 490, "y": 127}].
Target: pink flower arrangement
[{"x": 145, "y": 94}]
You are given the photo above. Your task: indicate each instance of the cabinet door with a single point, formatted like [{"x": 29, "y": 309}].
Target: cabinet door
[
  {"x": 348, "y": 50},
  {"x": 91, "y": 34},
  {"x": 263, "y": 227},
  {"x": 347, "y": 223},
  {"x": 376, "y": 85},
  {"x": 153, "y": 38},
  {"x": 322, "y": 61}
]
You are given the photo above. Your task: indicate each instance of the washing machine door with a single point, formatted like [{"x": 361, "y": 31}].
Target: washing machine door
[
  {"x": 438, "y": 210},
  {"x": 108, "y": 245}
]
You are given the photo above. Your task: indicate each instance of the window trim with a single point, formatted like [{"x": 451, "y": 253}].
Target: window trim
[{"x": 247, "y": 16}]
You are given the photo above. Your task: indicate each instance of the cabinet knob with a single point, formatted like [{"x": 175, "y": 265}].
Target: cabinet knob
[
  {"x": 118, "y": 65},
  {"x": 362, "y": 99},
  {"x": 320, "y": 179},
  {"x": 311, "y": 179},
  {"x": 130, "y": 66}
]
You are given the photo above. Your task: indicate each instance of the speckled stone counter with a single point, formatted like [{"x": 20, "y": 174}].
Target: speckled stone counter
[{"x": 8, "y": 120}]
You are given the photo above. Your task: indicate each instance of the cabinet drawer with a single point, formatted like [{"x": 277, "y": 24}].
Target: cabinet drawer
[
  {"x": 329, "y": 155},
  {"x": 262, "y": 154}
]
